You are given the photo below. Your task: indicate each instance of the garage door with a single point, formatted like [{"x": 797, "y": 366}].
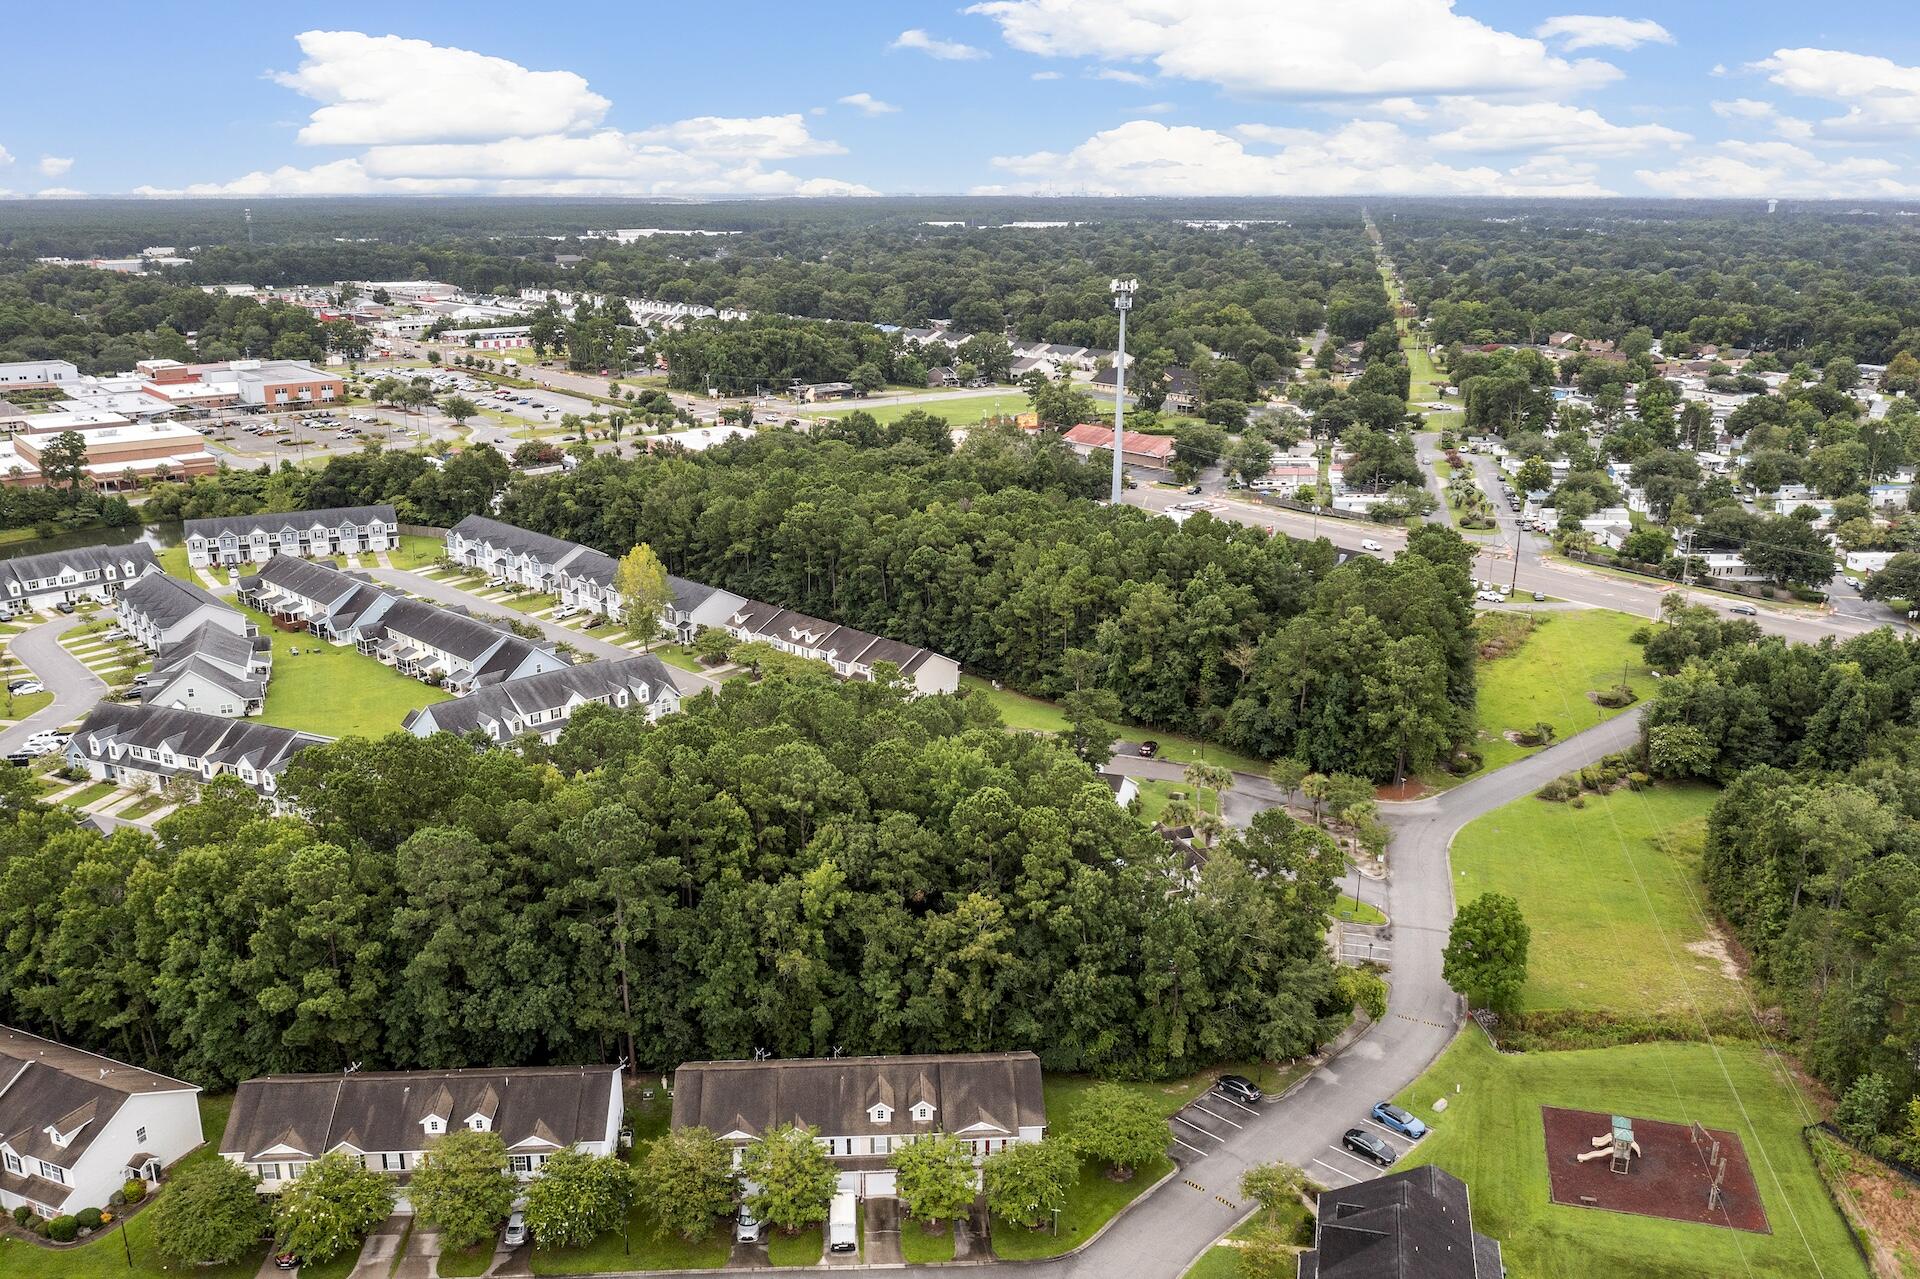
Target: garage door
[
  {"x": 849, "y": 1184},
  {"x": 880, "y": 1185}
]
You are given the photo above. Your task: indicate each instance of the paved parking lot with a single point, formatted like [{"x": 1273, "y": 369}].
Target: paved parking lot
[
  {"x": 1207, "y": 1122},
  {"x": 1362, "y": 944},
  {"x": 1337, "y": 1166}
]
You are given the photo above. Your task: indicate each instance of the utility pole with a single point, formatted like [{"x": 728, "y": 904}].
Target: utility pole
[{"x": 1122, "y": 302}]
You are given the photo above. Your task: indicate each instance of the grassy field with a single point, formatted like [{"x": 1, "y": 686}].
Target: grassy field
[
  {"x": 336, "y": 692},
  {"x": 1156, "y": 795},
  {"x": 1036, "y": 715},
  {"x": 465, "y": 1263},
  {"x": 803, "y": 1249},
  {"x": 81, "y": 798},
  {"x": 1547, "y": 678},
  {"x": 24, "y": 704},
  {"x": 141, "y": 807},
  {"x": 1610, "y": 892},
  {"x": 1352, "y": 910},
  {"x": 919, "y": 1246},
  {"x": 679, "y": 655},
  {"x": 1491, "y": 1136},
  {"x": 417, "y": 552},
  {"x": 958, "y": 410},
  {"x": 105, "y": 1255}
]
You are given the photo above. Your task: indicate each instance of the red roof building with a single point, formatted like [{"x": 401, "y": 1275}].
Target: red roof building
[{"x": 1152, "y": 451}]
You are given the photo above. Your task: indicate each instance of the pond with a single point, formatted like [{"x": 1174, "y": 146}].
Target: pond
[{"x": 159, "y": 536}]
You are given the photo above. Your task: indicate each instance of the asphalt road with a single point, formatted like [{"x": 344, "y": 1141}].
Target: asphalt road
[{"x": 75, "y": 689}]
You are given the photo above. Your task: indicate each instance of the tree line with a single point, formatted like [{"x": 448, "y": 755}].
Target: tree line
[{"x": 796, "y": 866}]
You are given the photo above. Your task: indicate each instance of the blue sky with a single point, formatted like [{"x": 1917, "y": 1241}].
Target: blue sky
[{"x": 1065, "y": 96}]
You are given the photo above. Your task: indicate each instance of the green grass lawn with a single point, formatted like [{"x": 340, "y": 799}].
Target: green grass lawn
[
  {"x": 530, "y": 602},
  {"x": 678, "y": 655},
  {"x": 415, "y": 551},
  {"x": 464, "y": 1263},
  {"x": 81, "y": 798},
  {"x": 803, "y": 1249},
  {"x": 24, "y": 704},
  {"x": 174, "y": 560},
  {"x": 1156, "y": 795},
  {"x": 1218, "y": 1262},
  {"x": 1036, "y": 715},
  {"x": 1547, "y": 678},
  {"x": 1491, "y": 1136},
  {"x": 1610, "y": 892},
  {"x": 1091, "y": 1203},
  {"x": 958, "y": 410},
  {"x": 141, "y": 807},
  {"x": 1352, "y": 910},
  {"x": 105, "y": 1256},
  {"x": 340, "y": 1264},
  {"x": 336, "y": 692},
  {"x": 920, "y": 1246},
  {"x": 610, "y": 1252}
]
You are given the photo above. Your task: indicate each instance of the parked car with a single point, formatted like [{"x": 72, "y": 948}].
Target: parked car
[
  {"x": 1369, "y": 1146},
  {"x": 516, "y": 1232},
  {"x": 20, "y": 759},
  {"x": 1149, "y": 749},
  {"x": 1193, "y": 488},
  {"x": 1539, "y": 597},
  {"x": 1240, "y": 1088},
  {"x": 22, "y": 687},
  {"x": 65, "y": 606},
  {"x": 1368, "y": 544},
  {"x": 1745, "y": 610},
  {"x": 747, "y": 1228},
  {"x": 842, "y": 1223},
  {"x": 1388, "y": 1115},
  {"x": 286, "y": 1261}
]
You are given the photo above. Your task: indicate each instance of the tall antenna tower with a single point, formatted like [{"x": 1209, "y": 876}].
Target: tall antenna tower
[{"x": 248, "y": 215}]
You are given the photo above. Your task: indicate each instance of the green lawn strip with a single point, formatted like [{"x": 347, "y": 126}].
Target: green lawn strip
[
  {"x": 803, "y": 1249},
  {"x": 104, "y": 1256},
  {"x": 141, "y": 807},
  {"x": 1491, "y": 1136},
  {"x": 679, "y": 655},
  {"x": 335, "y": 691},
  {"x": 1352, "y": 910},
  {"x": 1217, "y": 1262},
  {"x": 417, "y": 551},
  {"x": 529, "y": 602},
  {"x": 338, "y": 1266},
  {"x": 1547, "y": 678},
  {"x": 919, "y": 1245},
  {"x": 464, "y": 1263},
  {"x": 21, "y": 705},
  {"x": 606, "y": 631},
  {"x": 1156, "y": 795},
  {"x": 1091, "y": 1202},
  {"x": 1609, "y": 891},
  {"x": 958, "y": 410},
  {"x": 1658, "y": 583},
  {"x": 81, "y": 798}
]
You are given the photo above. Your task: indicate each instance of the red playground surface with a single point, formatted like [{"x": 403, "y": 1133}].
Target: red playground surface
[{"x": 1669, "y": 1177}]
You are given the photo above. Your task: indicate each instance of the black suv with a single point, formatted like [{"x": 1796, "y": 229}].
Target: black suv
[
  {"x": 1368, "y": 1146},
  {"x": 1240, "y": 1088}
]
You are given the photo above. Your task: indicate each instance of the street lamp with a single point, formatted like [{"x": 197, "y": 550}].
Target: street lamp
[{"x": 1123, "y": 291}]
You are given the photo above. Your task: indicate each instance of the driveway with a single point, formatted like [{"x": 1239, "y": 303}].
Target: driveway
[
  {"x": 378, "y": 1251},
  {"x": 883, "y": 1232},
  {"x": 75, "y": 688}
]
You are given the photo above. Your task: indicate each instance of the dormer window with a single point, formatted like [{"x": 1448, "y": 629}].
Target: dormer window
[
  {"x": 880, "y": 1113},
  {"x": 434, "y": 1125},
  {"x": 922, "y": 1112},
  {"x": 479, "y": 1123}
]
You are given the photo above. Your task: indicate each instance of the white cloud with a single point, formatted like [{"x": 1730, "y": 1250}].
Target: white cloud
[
  {"x": 1750, "y": 109},
  {"x": 1145, "y": 157},
  {"x": 1768, "y": 169},
  {"x": 380, "y": 89},
  {"x": 1882, "y": 97},
  {"x": 57, "y": 193},
  {"x": 868, "y": 103},
  {"x": 1481, "y": 126},
  {"x": 765, "y": 137},
  {"x": 1589, "y": 31},
  {"x": 946, "y": 50},
  {"x": 1045, "y": 75},
  {"x": 55, "y": 165},
  {"x": 1299, "y": 48},
  {"x": 1122, "y": 77},
  {"x": 1155, "y": 108},
  {"x": 6, "y": 156}
]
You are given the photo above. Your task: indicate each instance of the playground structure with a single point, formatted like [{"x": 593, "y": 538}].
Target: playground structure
[
  {"x": 1619, "y": 1144},
  {"x": 1682, "y": 1172}
]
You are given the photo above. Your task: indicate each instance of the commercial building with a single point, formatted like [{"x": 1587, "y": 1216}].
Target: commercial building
[
  {"x": 28, "y": 374},
  {"x": 1151, "y": 452}
]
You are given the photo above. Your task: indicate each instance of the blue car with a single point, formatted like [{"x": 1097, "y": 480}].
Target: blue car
[{"x": 1388, "y": 1115}]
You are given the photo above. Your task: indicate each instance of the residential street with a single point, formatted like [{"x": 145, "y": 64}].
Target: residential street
[{"x": 75, "y": 688}]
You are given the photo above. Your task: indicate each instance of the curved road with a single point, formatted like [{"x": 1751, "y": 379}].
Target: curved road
[{"x": 75, "y": 689}]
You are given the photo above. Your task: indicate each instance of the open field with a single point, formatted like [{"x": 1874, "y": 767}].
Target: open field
[
  {"x": 1491, "y": 1135},
  {"x": 1610, "y": 892},
  {"x": 1547, "y": 677},
  {"x": 958, "y": 410},
  {"x": 336, "y": 692}
]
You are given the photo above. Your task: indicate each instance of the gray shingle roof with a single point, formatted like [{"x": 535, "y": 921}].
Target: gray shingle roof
[
  {"x": 47, "y": 1083},
  {"x": 226, "y": 742},
  {"x": 549, "y": 550},
  {"x": 382, "y": 1110},
  {"x": 321, "y": 583},
  {"x": 290, "y": 521},
  {"x": 644, "y": 677},
  {"x": 82, "y": 559},
  {"x": 991, "y": 1094},
  {"x": 1407, "y": 1225},
  {"x": 164, "y": 600}
]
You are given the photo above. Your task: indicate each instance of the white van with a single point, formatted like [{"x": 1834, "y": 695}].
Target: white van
[
  {"x": 842, "y": 1230},
  {"x": 1368, "y": 544}
]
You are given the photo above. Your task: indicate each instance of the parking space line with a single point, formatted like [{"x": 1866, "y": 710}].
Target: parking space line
[
  {"x": 1338, "y": 1172},
  {"x": 1197, "y": 1128},
  {"x": 1222, "y": 1118},
  {"x": 1368, "y": 1164},
  {"x": 1391, "y": 1132},
  {"x": 1220, "y": 1096},
  {"x": 1195, "y": 1149}
]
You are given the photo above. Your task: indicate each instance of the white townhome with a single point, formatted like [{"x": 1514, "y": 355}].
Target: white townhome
[
  {"x": 865, "y": 1108},
  {"x": 160, "y": 609},
  {"x": 388, "y": 1119},
  {"x": 149, "y": 746},
  {"x": 543, "y": 704},
  {"x": 254, "y": 539},
  {"x": 75, "y": 1126},
  {"x": 67, "y": 577}
]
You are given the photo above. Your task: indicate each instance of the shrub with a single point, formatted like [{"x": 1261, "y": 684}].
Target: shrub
[
  {"x": 135, "y": 1190},
  {"x": 89, "y": 1218},
  {"x": 1559, "y": 790},
  {"x": 39, "y": 1227},
  {"x": 62, "y": 1229},
  {"x": 21, "y": 1215}
]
